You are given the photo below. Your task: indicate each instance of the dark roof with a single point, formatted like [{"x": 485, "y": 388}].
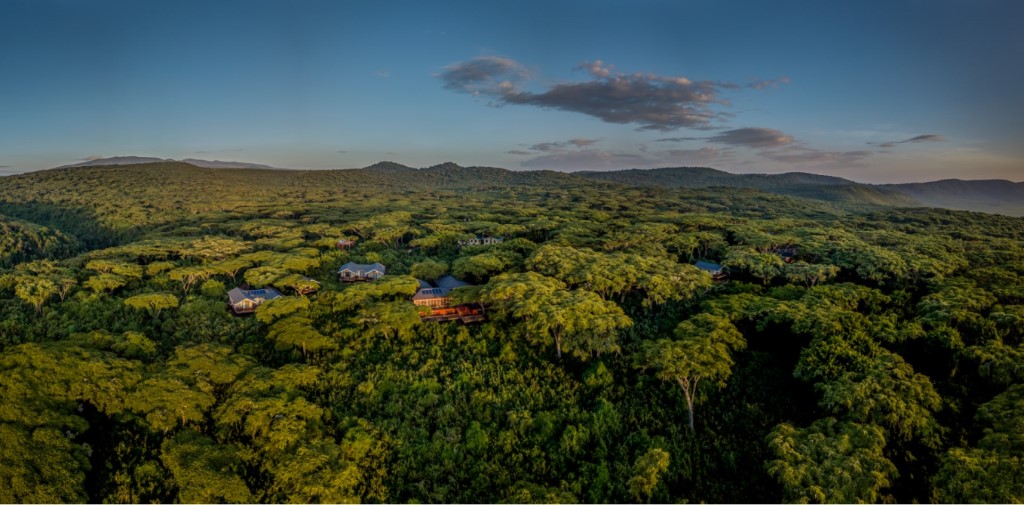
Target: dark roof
[
  {"x": 361, "y": 269},
  {"x": 708, "y": 266},
  {"x": 237, "y": 295},
  {"x": 424, "y": 284},
  {"x": 428, "y": 293},
  {"x": 450, "y": 282}
]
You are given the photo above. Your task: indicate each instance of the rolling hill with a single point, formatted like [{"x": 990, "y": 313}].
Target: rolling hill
[
  {"x": 139, "y": 160},
  {"x": 993, "y": 196}
]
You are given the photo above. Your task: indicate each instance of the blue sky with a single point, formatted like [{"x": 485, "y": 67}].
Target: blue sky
[{"x": 885, "y": 91}]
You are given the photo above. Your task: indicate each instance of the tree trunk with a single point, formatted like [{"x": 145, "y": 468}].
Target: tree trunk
[
  {"x": 558, "y": 345},
  {"x": 684, "y": 384}
]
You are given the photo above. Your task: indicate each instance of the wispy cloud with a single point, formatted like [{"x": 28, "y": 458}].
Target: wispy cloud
[
  {"x": 651, "y": 101},
  {"x": 796, "y": 154},
  {"x": 590, "y": 159},
  {"x": 488, "y": 75},
  {"x": 680, "y": 139},
  {"x": 519, "y": 152},
  {"x": 383, "y": 74},
  {"x": 341, "y": 152},
  {"x": 752, "y": 137},
  {"x": 767, "y": 83},
  {"x": 5, "y": 166},
  {"x": 702, "y": 156},
  {"x": 931, "y": 137},
  {"x": 562, "y": 146}
]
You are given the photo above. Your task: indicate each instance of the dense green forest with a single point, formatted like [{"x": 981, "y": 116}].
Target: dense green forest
[{"x": 853, "y": 353}]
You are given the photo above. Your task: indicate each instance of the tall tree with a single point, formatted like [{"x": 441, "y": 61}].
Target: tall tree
[{"x": 700, "y": 354}]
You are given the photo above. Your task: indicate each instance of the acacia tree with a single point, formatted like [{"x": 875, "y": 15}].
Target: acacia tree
[
  {"x": 700, "y": 354},
  {"x": 830, "y": 462},
  {"x": 35, "y": 291},
  {"x": 991, "y": 471},
  {"x": 579, "y": 321},
  {"x": 152, "y": 302},
  {"x": 646, "y": 471}
]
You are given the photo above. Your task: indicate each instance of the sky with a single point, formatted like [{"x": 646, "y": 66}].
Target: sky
[{"x": 872, "y": 91}]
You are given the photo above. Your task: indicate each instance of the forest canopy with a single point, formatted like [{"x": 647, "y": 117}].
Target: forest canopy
[{"x": 850, "y": 352}]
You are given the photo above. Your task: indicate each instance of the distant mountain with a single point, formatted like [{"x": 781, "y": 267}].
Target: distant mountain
[
  {"x": 994, "y": 196},
  {"x": 116, "y": 160},
  {"x": 138, "y": 160},
  {"x": 389, "y": 167},
  {"x": 819, "y": 187},
  {"x": 998, "y": 196},
  {"x": 224, "y": 164}
]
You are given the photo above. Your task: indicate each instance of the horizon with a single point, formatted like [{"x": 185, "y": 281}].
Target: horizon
[
  {"x": 427, "y": 167},
  {"x": 874, "y": 92}
]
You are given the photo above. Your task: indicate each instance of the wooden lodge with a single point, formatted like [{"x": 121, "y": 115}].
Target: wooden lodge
[
  {"x": 478, "y": 240},
  {"x": 355, "y": 272},
  {"x": 716, "y": 271},
  {"x": 345, "y": 243},
  {"x": 788, "y": 254},
  {"x": 437, "y": 294},
  {"x": 465, "y": 313},
  {"x": 435, "y": 302},
  {"x": 307, "y": 285},
  {"x": 245, "y": 301}
]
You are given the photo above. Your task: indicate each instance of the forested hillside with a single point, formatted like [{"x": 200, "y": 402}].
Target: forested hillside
[
  {"x": 849, "y": 353},
  {"x": 997, "y": 196}
]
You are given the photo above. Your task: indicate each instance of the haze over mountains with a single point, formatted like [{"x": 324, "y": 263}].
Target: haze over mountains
[
  {"x": 138, "y": 160},
  {"x": 993, "y": 196}
]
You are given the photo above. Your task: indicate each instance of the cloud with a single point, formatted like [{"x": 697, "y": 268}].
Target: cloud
[
  {"x": 590, "y": 159},
  {"x": 5, "y": 166},
  {"x": 931, "y": 137},
  {"x": 384, "y": 74},
  {"x": 680, "y": 139},
  {"x": 767, "y": 83},
  {"x": 704, "y": 155},
  {"x": 489, "y": 75},
  {"x": 563, "y": 146},
  {"x": 583, "y": 142},
  {"x": 794, "y": 154},
  {"x": 342, "y": 152},
  {"x": 651, "y": 101},
  {"x": 517, "y": 151},
  {"x": 924, "y": 138},
  {"x": 91, "y": 158},
  {"x": 753, "y": 137},
  {"x": 548, "y": 146}
]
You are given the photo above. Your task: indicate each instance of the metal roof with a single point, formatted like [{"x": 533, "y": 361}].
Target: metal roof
[
  {"x": 361, "y": 269},
  {"x": 708, "y": 266},
  {"x": 238, "y": 295},
  {"x": 428, "y": 293},
  {"x": 450, "y": 282}
]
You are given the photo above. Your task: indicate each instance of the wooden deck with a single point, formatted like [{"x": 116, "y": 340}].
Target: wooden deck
[{"x": 466, "y": 313}]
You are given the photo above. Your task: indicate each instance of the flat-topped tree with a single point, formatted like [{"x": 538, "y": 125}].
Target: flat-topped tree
[
  {"x": 577, "y": 320},
  {"x": 152, "y": 302},
  {"x": 700, "y": 354},
  {"x": 35, "y": 291},
  {"x": 831, "y": 462}
]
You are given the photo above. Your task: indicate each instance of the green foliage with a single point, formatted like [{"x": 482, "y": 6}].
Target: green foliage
[
  {"x": 893, "y": 324},
  {"x": 646, "y": 471},
  {"x": 831, "y": 462},
  {"x": 991, "y": 471},
  {"x": 701, "y": 355},
  {"x": 152, "y": 302},
  {"x": 428, "y": 270}
]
